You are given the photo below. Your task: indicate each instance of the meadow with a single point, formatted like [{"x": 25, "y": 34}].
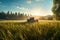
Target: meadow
[{"x": 42, "y": 30}]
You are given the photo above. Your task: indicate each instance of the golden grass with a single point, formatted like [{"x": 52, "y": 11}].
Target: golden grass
[{"x": 44, "y": 30}]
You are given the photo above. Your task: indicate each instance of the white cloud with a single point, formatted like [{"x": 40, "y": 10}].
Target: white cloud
[
  {"x": 21, "y": 8},
  {"x": 37, "y": 0},
  {"x": 28, "y": 1}
]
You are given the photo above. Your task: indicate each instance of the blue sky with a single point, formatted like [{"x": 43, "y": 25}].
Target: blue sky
[{"x": 25, "y": 6}]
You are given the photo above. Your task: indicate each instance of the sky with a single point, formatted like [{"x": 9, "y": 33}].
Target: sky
[{"x": 27, "y": 6}]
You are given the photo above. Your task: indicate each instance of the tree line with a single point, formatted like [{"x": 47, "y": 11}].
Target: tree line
[
  {"x": 21, "y": 16},
  {"x": 11, "y": 15}
]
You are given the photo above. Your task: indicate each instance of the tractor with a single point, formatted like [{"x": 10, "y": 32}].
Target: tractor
[{"x": 32, "y": 19}]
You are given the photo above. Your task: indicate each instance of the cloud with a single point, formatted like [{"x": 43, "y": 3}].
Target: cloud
[
  {"x": 37, "y": 0},
  {"x": 28, "y": 1},
  {"x": 21, "y": 8},
  {"x": 2, "y": 6},
  {"x": 0, "y": 2}
]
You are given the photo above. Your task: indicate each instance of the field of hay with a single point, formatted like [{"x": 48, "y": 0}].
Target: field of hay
[{"x": 42, "y": 30}]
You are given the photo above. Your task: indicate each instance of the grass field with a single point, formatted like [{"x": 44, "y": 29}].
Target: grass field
[
  {"x": 26, "y": 21},
  {"x": 22, "y": 30}
]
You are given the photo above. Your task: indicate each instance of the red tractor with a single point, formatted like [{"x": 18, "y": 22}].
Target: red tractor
[{"x": 31, "y": 19}]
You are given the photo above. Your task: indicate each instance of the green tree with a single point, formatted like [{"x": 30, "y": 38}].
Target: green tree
[{"x": 56, "y": 9}]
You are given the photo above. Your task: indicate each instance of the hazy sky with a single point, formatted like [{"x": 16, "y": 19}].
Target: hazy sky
[{"x": 44, "y": 6}]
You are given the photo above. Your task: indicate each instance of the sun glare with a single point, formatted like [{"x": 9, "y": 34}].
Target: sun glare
[
  {"x": 39, "y": 12},
  {"x": 36, "y": 14}
]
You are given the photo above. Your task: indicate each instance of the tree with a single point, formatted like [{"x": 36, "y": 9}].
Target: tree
[
  {"x": 56, "y": 9},
  {"x": 15, "y": 13},
  {"x": 8, "y": 12}
]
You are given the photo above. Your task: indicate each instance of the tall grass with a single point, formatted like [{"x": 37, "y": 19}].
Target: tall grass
[{"x": 30, "y": 31}]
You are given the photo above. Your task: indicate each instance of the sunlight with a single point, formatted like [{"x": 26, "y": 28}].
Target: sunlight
[
  {"x": 39, "y": 12},
  {"x": 36, "y": 12}
]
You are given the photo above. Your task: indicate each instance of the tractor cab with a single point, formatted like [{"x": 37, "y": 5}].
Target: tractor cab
[{"x": 32, "y": 19}]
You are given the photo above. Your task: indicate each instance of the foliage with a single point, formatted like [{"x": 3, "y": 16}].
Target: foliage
[
  {"x": 56, "y": 8},
  {"x": 21, "y": 16},
  {"x": 11, "y": 16},
  {"x": 30, "y": 31}
]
